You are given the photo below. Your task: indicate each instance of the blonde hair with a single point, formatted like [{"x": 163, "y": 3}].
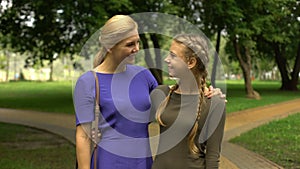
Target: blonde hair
[
  {"x": 197, "y": 47},
  {"x": 116, "y": 29}
]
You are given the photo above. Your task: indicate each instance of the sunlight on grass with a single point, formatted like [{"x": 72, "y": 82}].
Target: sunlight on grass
[
  {"x": 57, "y": 96},
  {"x": 41, "y": 96},
  {"x": 278, "y": 141},
  {"x": 269, "y": 91}
]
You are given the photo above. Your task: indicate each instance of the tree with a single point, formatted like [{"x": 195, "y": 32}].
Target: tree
[
  {"x": 47, "y": 28},
  {"x": 162, "y": 6},
  {"x": 280, "y": 34},
  {"x": 212, "y": 15},
  {"x": 236, "y": 19},
  {"x": 241, "y": 31}
]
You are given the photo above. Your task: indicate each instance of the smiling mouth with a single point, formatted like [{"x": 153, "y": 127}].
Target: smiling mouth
[{"x": 132, "y": 55}]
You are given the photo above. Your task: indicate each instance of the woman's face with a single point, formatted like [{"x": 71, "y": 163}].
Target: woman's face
[
  {"x": 176, "y": 60},
  {"x": 126, "y": 50}
]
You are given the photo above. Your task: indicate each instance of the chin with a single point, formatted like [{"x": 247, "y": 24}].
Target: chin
[
  {"x": 172, "y": 75},
  {"x": 130, "y": 62}
]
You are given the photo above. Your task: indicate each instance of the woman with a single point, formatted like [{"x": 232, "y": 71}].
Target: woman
[
  {"x": 191, "y": 125},
  {"x": 124, "y": 102}
]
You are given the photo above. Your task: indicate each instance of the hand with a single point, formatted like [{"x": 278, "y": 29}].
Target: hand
[{"x": 210, "y": 92}]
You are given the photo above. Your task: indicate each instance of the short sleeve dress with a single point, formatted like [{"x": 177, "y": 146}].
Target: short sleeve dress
[
  {"x": 179, "y": 117},
  {"x": 125, "y": 112}
]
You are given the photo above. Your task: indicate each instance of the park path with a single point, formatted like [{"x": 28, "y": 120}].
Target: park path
[{"x": 233, "y": 156}]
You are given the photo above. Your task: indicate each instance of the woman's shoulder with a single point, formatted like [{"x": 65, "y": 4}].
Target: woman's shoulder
[
  {"x": 86, "y": 77},
  {"x": 135, "y": 67}
]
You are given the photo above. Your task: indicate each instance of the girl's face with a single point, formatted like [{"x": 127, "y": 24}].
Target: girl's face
[
  {"x": 176, "y": 61},
  {"x": 126, "y": 50}
]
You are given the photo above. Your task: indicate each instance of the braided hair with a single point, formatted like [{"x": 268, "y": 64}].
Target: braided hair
[{"x": 197, "y": 47}]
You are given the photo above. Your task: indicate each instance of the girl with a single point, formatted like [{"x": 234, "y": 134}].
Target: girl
[{"x": 191, "y": 125}]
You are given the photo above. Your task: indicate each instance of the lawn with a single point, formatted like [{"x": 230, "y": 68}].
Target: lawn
[
  {"x": 23, "y": 147},
  {"x": 40, "y": 96},
  {"x": 278, "y": 141},
  {"x": 29, "y": 148},
  {"x": 57, "y": 96},
  {"x": 269, "y": 91}
]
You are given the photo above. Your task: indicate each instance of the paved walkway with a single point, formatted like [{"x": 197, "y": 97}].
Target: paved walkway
[
  {"x": 243, "y": 121},
  {"x": 233, "y": 156}
]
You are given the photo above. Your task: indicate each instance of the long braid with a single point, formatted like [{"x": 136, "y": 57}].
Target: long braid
[
  {"x": 163, "y": 105},
  {"x": 196, "y": 47},
  {"x": 191, "y": 141}
]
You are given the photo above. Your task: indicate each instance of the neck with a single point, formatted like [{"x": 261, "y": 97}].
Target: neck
[
  {"x": 110, "y": 66},
  {"x": 187, "y": 87}
]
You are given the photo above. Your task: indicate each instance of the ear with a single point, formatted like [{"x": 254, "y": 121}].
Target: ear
[
  {"x": 108, "y": 50},
  {"x": 192, "y": 63}
]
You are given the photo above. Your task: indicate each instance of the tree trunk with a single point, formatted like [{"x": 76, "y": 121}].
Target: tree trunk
[
  {"x": 51, "y": 70},
  {"x": 158, "y": 69},
  {"x": 148, "y": 59},
  {"x": 246, "y": 68},
  {"x": 7, "y": 66},
  {"x": 216, "y": 59},
  {"x": 286, "y": 82},
  {"x": 296, "y": 70}
]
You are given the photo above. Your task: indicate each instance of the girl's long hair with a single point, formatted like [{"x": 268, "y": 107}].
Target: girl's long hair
[{"x": 197, "y": 47}]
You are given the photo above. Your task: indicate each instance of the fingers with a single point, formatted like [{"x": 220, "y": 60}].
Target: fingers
[
  {"x": 211, "y": 88},
  {"x": 211, "y": 91}
]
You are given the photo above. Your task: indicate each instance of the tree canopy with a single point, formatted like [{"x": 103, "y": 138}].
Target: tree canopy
[{"x": 253, "y": 29}]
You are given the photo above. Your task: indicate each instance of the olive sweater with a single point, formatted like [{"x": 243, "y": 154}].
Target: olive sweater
[{"x": 179, "y": 117}]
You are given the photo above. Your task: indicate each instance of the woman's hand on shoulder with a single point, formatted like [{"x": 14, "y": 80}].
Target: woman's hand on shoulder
[{"x": 211, "y": 91}]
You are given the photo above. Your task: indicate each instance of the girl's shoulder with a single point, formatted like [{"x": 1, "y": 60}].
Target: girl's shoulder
[{"x": 164, "y": 88}]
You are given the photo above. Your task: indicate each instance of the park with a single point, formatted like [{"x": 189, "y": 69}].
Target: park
[{"x": 42, "y": 54}]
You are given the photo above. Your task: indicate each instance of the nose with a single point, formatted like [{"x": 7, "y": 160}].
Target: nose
[
  {"x": 136, "y": 48},
  {"x": 167, "y": 59}
]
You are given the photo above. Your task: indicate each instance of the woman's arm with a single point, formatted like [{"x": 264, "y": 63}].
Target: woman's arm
[
  {"x": 83, "y": 147},
  {"x": 213, "y": 144}
]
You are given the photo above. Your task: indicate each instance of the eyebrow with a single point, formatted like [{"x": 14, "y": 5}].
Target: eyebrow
[
  {"x": 132, "y": 41},
  {"x": 173, "y": 53}
]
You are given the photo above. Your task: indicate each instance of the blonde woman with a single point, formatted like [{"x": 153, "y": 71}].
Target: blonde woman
[
  {"x": 124, "y": 102},
  {"x": 191, "y": 125}
]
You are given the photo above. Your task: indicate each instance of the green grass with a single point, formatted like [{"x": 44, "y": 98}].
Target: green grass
[
  {"x": 40, "y": 96},
  {"x": 268, "y": 90},
  {"x": 23, "y": 147},
  {"x": 57, "y": 96},
  {"x": 278, "y": 141},
  {"x": 29, "y": 148}
]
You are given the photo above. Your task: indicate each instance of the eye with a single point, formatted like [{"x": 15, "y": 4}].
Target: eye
[
  {"x": 173, "y": 55},
  {"x": 130, "y": 44}
]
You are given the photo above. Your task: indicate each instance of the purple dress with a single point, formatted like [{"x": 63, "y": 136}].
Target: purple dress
[{"x": 125, "y": 115}]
